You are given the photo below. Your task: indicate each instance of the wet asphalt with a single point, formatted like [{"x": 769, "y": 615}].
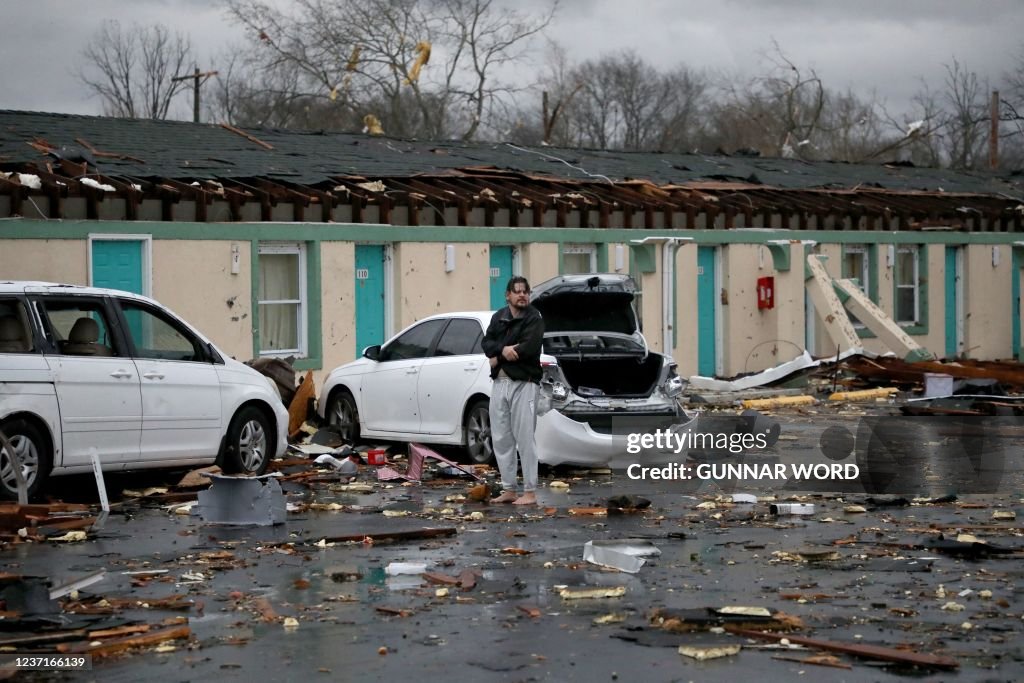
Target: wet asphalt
[{"x": 878, "y": 576}]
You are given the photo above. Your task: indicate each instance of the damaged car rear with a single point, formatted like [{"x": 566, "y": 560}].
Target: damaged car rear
[{"x": 606, "y": 383}]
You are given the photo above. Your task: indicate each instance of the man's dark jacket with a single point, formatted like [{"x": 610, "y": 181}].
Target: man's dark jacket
[{"x": 526, "y": 333}]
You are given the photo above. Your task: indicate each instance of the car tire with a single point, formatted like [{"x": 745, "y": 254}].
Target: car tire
[
  {"x": 249, "y": 443},
  {"x": 477, "y": 427},
  {"x": 343, "y": 415},
  {"x": 33, "y": 450}
]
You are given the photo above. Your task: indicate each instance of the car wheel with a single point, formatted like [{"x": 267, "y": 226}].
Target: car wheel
[
  {"x": 478, "y": 434},
  {"x": 32, "y": 451},
  {"x": 248, "y": 443},
  {"x": 343, "y": 415}
]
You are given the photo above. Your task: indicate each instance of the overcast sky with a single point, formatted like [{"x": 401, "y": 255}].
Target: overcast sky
[{"x": 885, "y": 46}]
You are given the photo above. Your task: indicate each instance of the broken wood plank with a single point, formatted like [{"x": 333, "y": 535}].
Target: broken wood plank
[
  {"x": 119, "y": 645},
  {"x": 441, "y": 579},
  {"x": 818, "y": 660},
  {"x": 863, "y": 394},
  {"x": 250, "y": 138},
  {"x": 44, "y": 638},
  {"x": 119, "y": 631},
  {"x": 779, "y": 402},
  {"x": 395, "y": 611},
  {"x": 879, "y": 652},
  {"x": 410, "y": 535},
  {"x": 530, "y": 611}
]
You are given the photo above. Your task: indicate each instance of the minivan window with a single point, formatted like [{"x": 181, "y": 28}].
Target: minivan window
[
  {"x": 14, "y": 327},
  {"x": 80, "y": 326},
  {"x": 157, "y": 336}
]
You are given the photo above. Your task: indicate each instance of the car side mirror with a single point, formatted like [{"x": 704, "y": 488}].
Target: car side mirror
[{"x": 372, "y": 352}]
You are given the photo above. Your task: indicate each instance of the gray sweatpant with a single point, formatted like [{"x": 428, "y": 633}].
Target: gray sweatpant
[{"x": 513, "y": 424}]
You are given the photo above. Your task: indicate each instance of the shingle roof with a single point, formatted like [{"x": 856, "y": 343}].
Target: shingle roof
[
  {"x": 170, "y": 160},
  {"x": 180, "y": 150}
]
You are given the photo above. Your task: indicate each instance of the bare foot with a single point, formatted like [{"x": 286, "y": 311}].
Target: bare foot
[
  {"x": 526, "y": 499},
  {"x": 505, "y": 497}
]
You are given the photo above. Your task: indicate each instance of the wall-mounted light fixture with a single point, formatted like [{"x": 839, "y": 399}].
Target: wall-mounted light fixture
[
  {"x": 620, "y": 257},
  {"x": 890, "y": 255},
  {"x": 449, "y": 258},
  {"x": 236, "y": 259},
  {"x": 995, "y": 256}
]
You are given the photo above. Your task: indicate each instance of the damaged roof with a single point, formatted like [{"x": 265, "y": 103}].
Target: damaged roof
[{"x": 137, "y": 155}]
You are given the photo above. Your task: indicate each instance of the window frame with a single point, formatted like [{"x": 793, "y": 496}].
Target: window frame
[
  {"x": 40, "y": 303},
  {"x": 476, "y": 340},
  {"x": 201, "y": 348},
  {"x": 299, "y": 250},
  {"x": 919, "y": 259},
  {"x": 431, "y": 347},
  {"x": 864, "y": 278},
  {"x": 572, "y": 248}
]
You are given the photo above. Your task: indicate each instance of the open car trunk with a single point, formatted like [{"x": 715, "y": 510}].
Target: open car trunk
[{"x": 621, "y": 377}]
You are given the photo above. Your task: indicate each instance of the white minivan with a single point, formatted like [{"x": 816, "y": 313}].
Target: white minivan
[{"x": 88, "y": 371}]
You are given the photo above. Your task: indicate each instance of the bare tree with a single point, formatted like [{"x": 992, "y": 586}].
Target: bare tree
[
  {"x": 967, "y": 120},
  {"x": 620, "y": 101},
  {"x": 131, "y": 70},
  {"x": 423, "y": 67}
]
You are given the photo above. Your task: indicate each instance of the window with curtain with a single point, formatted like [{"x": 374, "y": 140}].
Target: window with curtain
[{"x": 282, "y": 299}]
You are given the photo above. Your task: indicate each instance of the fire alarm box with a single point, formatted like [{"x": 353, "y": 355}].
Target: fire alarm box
[{"x": 765, "y": 292}]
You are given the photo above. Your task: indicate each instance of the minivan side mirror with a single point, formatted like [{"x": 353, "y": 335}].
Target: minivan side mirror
[{"x": 372, "y": 352}]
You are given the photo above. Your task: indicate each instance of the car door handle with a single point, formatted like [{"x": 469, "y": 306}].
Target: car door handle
[
  {"x": 471, "y": 368},
  {"x": 412, "y": 371},
  {"x": 120, "y": 374},
  {"x": 153, "y": 375}
]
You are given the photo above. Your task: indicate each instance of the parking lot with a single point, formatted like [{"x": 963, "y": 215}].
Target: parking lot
[{"x": 506, "y": 594}]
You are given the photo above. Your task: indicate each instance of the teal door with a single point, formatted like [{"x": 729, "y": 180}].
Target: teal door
[
  {"x": 952, "y": 312},
  {"x": 706, "y": 311},
  {"x": 501, "y": 271},
  {"x": 369, "y": 296},
  {"x": 1015, "y": 315},
  {"x": 117, "y": 264}
]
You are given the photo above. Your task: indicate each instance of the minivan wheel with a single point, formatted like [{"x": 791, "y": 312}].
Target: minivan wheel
[
  {"x": 248, "y": 443},
  {"x": 478, "y": 434},
  {"x": 32, "y": 451},
  {"x": 343, "y": 415}
]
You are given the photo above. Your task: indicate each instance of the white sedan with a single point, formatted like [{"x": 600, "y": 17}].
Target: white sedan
[{"x": 431, "y": 384}]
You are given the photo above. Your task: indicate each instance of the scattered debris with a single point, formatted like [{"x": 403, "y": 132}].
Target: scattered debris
[
  {"x": 703, "y": 653},
  {"x": 591, "y": 593},
  {"x": 886, "y": 654},
  {"x": 256, "y": 501}
]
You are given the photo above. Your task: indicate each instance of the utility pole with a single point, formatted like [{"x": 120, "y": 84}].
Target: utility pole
[
  {"x": 199, "y": 79},
  {"x": 993, "y": 139}
]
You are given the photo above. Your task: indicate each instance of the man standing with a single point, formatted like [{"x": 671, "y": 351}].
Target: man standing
[{"x": 513, "y": 345}]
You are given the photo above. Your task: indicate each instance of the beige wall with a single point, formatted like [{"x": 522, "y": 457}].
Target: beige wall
[
  {"x": 194, "y": 279},
  {"x": 988, "y": 297},
  {"x": 338, "y": 297},
  {"x": 423, "y": 288},
  {"x": 755, "y": 339},
  {"x": 539, "y": 261},
  {"x": 64, "y": 261}
]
